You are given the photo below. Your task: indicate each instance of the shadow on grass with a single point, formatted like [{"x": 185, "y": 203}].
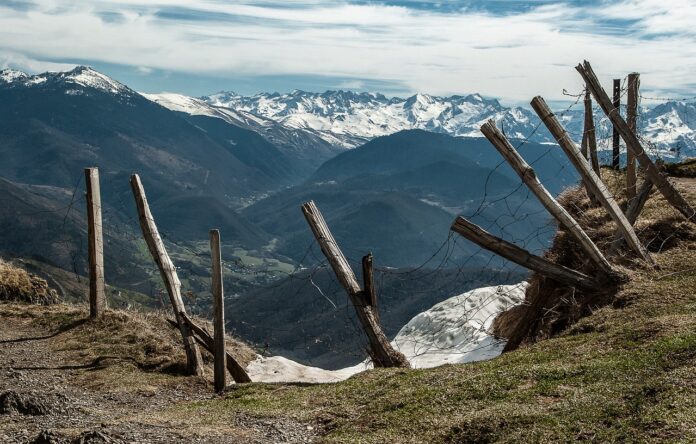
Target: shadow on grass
[{"x": 61, "y": 329}]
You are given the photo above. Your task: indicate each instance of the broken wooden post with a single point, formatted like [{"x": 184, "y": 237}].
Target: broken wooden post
[
  {"x": 167, "y": 270},
  {"x": 598, "y": 188},
  {"x": 529, "y": 177},
  {"x": 634, "y": 209},
  {"x": 220, "y": 373},
  {"x": 208, "y": 342},
  {"x": 522, "y": 257},
  {"x": 381, "y": 351},
  {"x": 369, "y": 284},
  {"x": 633, "y": 144},
  {"x": 590, "y": 134},
  {"x": 631, "y": 119},
  {"x": 97, "y": 287},
  {"x": 615, "y": 138}
]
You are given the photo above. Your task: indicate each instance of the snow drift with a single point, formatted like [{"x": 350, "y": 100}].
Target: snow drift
[{"x": 453, "y": 331}]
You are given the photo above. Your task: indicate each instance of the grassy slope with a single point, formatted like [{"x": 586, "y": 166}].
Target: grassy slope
[{"x": 625, "y": 373}]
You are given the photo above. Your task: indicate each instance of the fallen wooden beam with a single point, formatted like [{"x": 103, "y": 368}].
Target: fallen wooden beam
[
  {"x": 167, "y": 270},
  {"x": 204, "y": 338},
  {"x": 598, "y": 187},
  {"x": 522, "y": 257},
  {"x": 381, "y": 351},
  {"x": 633, "y": 144},
  {"x": 529, "y": 177}
]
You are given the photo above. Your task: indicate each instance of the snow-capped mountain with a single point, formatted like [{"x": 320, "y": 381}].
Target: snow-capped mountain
[
  {"x": 353, "y": 118},
  {"x": 350, "y": 118},
  {"x": 77, "y": 81}
]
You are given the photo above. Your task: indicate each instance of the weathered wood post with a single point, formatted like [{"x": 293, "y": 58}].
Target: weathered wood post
[
  {"x": 168, "y": 272},
  {"x": 598, "y": 187},
  {"x": 381, "y": 351},
  {"x": 522, "y": 257},
  {"x": 634, "y": 209},
  {"x": 633, "y": 144},
  {"x": 220, "y": 372},
  {"x": 615, "y": 139},
  {"x": 529, "y": 177},
  {"x": 591, "y": 135},
  {"x": 369, "y": 284},
  {"x": 97, "y": 286},
  {"x": 632, "y": 120}
]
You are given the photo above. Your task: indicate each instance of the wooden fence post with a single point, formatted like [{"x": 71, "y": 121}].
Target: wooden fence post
[
  {"x": 634, "y": 209},
  {"x": 591, "y": 136},
  {"x": 599, "y": 189},
  {"x": 220, "y": 372},
  {"x": 97, "y": 286},
  {"x": 369, "y": 284},
  {"x": 529, "y": 177},
  {"x": 632, "y": 143},
  {"x": 168, "y": 272},
  {"x": 631, "y": 119},
  {"x": 381, "y": 351},
  {"x": 615, "y": 139},
  {"x": 522, "y": 257}
]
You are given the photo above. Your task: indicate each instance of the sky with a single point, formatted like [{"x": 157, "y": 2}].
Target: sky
[{"x": 507, "y": 49}]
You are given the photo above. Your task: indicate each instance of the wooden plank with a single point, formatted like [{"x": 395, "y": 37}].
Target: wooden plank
[
  {"x": 633, "y": 144},
  {"x": 97, "y": 286},
  {"x": 369, "y": 284},
  {"x": 529, "y": 177},
  {"x": 591, "y": 135},
  {"x": 168, "y": 272},
  {"x": 219, "y": 373},
  {"x": 631, "y": 119},
  {"x": 522, "y": 257},
  {"x": 599, "y": 189},
  {"x": 615, "y": 138},
  {"x": 381, "y": 351},
  {"x": 207, "y": 342}
]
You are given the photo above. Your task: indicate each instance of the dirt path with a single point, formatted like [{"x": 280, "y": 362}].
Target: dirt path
[{"x": 51, "y": 392}]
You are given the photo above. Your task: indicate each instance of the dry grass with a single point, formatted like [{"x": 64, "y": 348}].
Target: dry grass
[{"x": 18, "y": 285}]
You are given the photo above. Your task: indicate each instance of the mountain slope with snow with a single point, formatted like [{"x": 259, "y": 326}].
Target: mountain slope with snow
[{"x": 350, "y": 119}]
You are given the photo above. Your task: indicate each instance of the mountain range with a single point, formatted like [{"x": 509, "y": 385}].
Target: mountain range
[{"x": 350, "y": 119}]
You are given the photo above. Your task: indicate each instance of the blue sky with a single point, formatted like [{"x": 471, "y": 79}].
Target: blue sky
[{"x": 509, "y": 49}]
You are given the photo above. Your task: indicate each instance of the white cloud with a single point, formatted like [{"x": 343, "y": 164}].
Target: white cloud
[{"x": 511, "y": 56}]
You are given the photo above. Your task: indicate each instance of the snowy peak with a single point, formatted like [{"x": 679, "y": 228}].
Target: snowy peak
[
  {"x": 11, "y": 75},
  {"x": 75, "y": 81}
]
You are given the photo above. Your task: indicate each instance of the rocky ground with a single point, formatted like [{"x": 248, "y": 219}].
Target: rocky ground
[{"x": 52, "y": 392}]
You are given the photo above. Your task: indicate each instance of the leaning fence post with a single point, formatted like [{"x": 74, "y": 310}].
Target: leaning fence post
[
  {"x": 633, "y": 144},
  {"x": 97, "y": 287},
  {"x": 599, "y": 189},
  {"x": 522, "y": 257},
  {"x": 220, "y": 372},
  {"x": 631, "y": 119},
  {"x": 529, "y": 177},
  {"x": 381, "y": 351},
  {"x": 167, "y": 270}
]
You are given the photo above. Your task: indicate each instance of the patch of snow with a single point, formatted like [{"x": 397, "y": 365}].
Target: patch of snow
[
  {"x": 454, "y": 331},
  {"x": 11, "y": 75}
]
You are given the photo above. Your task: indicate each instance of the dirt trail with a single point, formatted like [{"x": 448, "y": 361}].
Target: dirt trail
[{"x": 38, "y": 375}]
